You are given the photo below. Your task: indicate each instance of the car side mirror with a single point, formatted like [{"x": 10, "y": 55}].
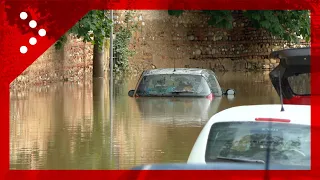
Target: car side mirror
[
  {"x": 131, "y": 93},
  {"x": 229, "y": 92}
]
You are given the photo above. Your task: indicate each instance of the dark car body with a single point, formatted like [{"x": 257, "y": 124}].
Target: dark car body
[{"x": 294, "y": 70}]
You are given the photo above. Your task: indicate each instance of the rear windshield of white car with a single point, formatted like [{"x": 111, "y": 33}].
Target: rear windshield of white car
[
  {"x": 289, "y": 143},
  {"x": 176, "y": 85}
]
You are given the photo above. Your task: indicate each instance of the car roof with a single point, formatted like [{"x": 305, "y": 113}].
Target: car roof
[
  {"x": 191, "y": 71},
  {"x": 298, "y": 114}
]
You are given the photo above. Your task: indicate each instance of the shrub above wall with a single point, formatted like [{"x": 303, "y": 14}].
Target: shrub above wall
[{"x": 191, "y": 41}]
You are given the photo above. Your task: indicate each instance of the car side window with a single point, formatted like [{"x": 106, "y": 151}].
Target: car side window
[
  {"x": 143, "y": 85},
  {"x": 214, "y": 85}
]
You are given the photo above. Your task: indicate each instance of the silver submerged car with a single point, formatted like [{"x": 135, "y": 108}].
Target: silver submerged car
[{"x": 179, "y": 82}]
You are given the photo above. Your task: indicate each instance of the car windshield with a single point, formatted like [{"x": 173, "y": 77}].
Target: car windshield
[
  {"x": 173, "y": 85},
  {"x": 289, "y": 143}
]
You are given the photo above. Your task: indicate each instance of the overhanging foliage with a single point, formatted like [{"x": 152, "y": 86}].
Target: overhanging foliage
[
  {"x": 285, "y": 24},
  {"x": 94, "y": 27}
]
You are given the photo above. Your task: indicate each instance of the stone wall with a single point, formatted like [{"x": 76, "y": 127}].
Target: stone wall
[
  {"x": 187, "y": 41},
  {"x": 162, "y": 41},
  {"x": 71, "y": 63}
]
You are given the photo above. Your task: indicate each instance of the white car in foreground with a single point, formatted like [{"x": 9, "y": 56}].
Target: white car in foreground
[{"x": 243, "y": 133}]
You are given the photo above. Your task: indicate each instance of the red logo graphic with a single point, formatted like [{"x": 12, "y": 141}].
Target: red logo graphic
[{"x": 32, "y": 40}]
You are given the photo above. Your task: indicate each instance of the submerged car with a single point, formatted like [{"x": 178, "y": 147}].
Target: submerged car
[
  {"x": 179, "y": 82},
  {"x": 244, "y": 134},
  {"x": 294, "y": 73}
]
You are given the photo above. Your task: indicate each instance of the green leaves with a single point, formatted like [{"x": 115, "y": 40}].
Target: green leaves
[
  {"x": 255, "y": 16},
  {"x": 59, "y": 44},
  {"x": 94, "y": 21},
  {"x": 95, "y": 27},
  {"x": 121, "y": 44},
  {"x": 265, "y": 24},
  {"x": 219, "y": 19},
  {"x": 175, "y": 12},
  {"x": 285, "y": 24}
]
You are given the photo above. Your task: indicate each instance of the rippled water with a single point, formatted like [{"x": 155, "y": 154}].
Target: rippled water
[{"x": 68, "y": 126}]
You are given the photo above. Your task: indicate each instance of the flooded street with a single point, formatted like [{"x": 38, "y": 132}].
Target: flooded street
[{"x": 67, "y": 126}]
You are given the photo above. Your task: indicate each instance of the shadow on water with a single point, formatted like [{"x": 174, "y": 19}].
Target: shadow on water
[{"x": 67, "y": 126}]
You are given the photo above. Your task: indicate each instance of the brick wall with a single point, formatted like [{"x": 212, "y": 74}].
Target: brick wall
[
  {"x": 164, "y": 41},
  {"x": 188, "y": 41},
  {"x": 72, "y": 63}
]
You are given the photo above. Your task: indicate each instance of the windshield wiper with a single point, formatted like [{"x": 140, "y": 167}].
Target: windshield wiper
[{"x": 242, "y": 160}]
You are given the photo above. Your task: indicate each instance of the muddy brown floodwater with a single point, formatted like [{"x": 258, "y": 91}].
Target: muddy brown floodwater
[{"x": 67, "y": 126}]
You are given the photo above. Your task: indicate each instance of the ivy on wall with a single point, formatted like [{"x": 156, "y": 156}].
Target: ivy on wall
[
  {"x": 95, "y": 26},
  {"x": 122, "y": 53}
]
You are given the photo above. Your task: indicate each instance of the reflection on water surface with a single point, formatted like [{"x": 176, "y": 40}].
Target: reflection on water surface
[{"x": 65, "y": 127}]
